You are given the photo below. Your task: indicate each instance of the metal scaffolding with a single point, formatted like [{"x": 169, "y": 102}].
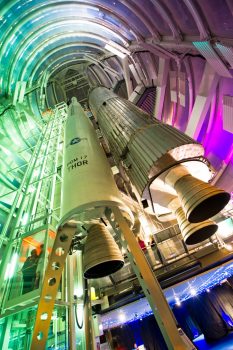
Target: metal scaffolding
[{"x": 31, "y": 223}]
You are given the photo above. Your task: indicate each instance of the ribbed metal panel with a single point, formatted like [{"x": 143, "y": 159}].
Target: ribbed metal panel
[
  {"x": 228, "y": 113},
  {"x": 212, "y": 58},
  {"x": 99, "y": 262},
  {"x": 102, "y": 94},
  {"x": 118, "y": 129},
  {"x": 144, "y": 145},
  {"x": 147, "y": 101},
  {"x": 226, "y": 52},
  {"x": 153, "y": 148}
]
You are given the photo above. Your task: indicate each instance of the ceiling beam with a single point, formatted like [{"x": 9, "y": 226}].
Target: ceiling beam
[
  {"x": 196, "y": 14},
  {"x": 161, "y": 87},
  {"x": 202, "y": 102}
]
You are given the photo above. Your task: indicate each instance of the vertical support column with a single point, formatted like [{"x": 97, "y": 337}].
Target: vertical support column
[
  {"x": 50, "y": 286},
  {"x": 163, "y": 314},
  {"x": 88, "y": 319},
  {"x": 128, "y": 82},
  {"x": 29, "y": 325},
  {"x": 202, "y": 102},
  {"x": 161, "y": 87},
  {"x": 70, "y": 290},
  {"x": 79, "y": 295},
  {"x": 5, "y": 336},
  {"x": 109, "y": 338}
]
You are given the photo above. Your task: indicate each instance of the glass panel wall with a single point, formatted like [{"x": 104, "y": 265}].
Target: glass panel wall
[{"x": 16, "y": 329}]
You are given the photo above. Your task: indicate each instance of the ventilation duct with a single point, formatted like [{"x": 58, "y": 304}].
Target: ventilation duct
[{"x": 206, "y": 49}]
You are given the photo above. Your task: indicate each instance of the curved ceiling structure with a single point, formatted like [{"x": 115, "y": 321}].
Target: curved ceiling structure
[
  {"x": 171, "y": 58},
  {"x": 35, "y": 33}
]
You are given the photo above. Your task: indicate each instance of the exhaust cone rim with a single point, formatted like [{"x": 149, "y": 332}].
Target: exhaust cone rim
[
  {"x": 208, "y": 207},
  {"x": 201, "y": 235},
  {"x": 103, "y": 269}
]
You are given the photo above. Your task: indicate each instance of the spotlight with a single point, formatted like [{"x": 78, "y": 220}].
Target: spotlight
[
  {"x": 122, "y": 317},
  {"x": 178, "y": 302},
  {"x": 193, "y": 292}
]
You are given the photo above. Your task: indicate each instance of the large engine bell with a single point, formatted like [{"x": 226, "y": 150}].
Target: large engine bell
[
  {"x": 194, "y": 233},
  {"x": 102, "y": 256},
  {"x": 199, "y": 200}
]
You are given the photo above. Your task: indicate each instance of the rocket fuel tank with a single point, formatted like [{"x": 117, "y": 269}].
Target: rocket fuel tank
[{"x": 88, "y": 183}]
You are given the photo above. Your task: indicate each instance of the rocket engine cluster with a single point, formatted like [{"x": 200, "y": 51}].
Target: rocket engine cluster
[{"x": 165, "y": 165}]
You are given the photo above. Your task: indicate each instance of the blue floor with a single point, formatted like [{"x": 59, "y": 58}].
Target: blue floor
[{"x": 222, "y": 344}]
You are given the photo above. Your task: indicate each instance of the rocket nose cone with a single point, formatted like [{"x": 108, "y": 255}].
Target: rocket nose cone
[{"x": 74, "y": 100}]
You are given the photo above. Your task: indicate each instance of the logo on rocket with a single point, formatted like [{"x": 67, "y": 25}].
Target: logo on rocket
[{"x": 76, "y": 140}]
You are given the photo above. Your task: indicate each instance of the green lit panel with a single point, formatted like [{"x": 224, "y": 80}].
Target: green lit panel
[
  {"x": 16, "y": 329},
  {"x": 18, "y": 135}
]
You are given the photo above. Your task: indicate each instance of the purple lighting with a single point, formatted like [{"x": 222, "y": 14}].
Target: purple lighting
[{"x": 217, "y": 142}]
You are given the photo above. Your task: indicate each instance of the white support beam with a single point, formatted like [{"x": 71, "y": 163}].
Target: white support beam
[
  {"x": 202, "y": 102},
  {"x": 135, "y": 74},
  {"x": 104, "y": 66},
  {"x": 137, "y": 93},
  {"x": 70, "y": 295},
  {"x": 182, "y": 88},
  {"x": 150, "y": 67},
  {"x": 161, "y": 87},
  {"x": 88, "y": 325},
  {"x": 173, "y": 86},
  {"x": 22, "y": 91},
  {"x": 16, "y": 92},
  {"x": 141, "y": 73},
  {"x": 128, "y": 82}
]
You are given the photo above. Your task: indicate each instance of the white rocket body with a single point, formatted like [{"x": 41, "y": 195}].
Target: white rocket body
[{"x": 88, "y": 183}]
